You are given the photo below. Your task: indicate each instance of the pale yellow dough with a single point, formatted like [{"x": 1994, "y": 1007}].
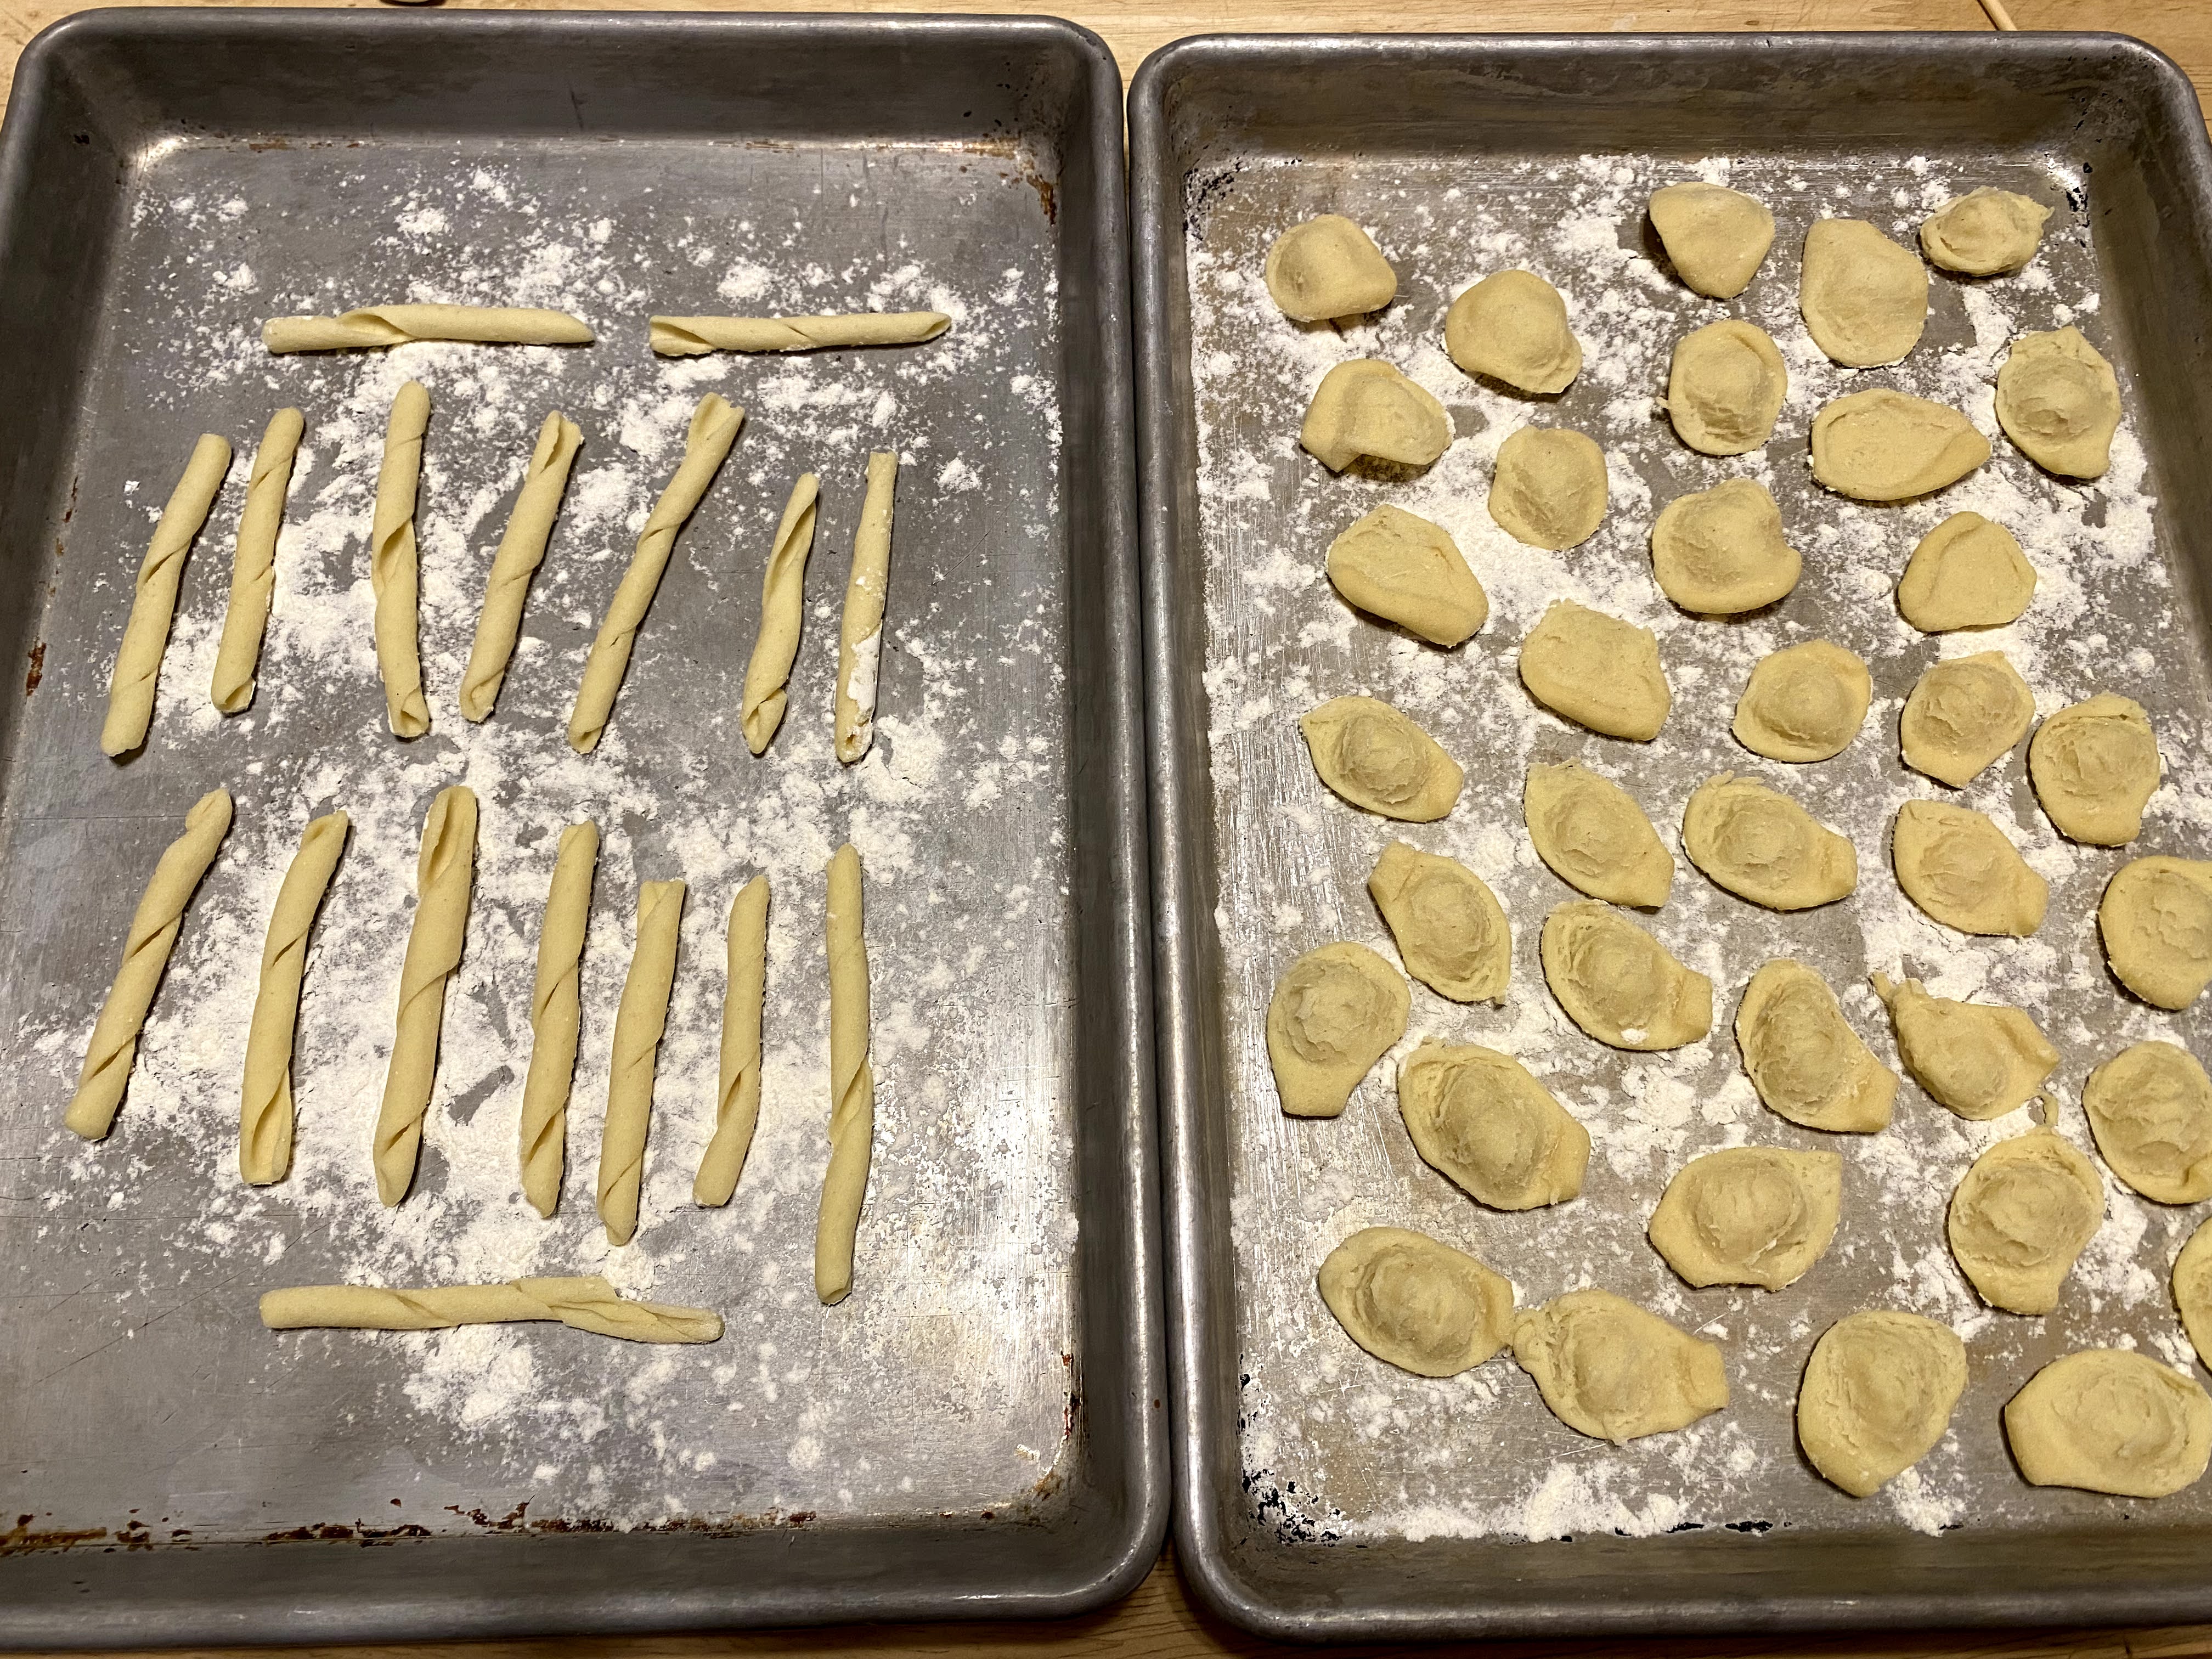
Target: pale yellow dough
[
  {"x": 1979, "y": 1060},
  {"x": 1966, "y": 573},
  {"x": 137, "y": 671},
  {"x": 2095, "y": 766},
  {"x": 852, "y": 1084},
  {"x": 2057, "y": 399},
  {"x": 1805, "y": 1060},
  {"x": 2156, "y": 922},
  {"x": 1377, "y": 759},
  {"x": 1803, "y": 703},
  {"x": 1329, "y": 267},
  {"x": 783, "y": 593},
  {"x": 2111, "y": 1421},
  {"x": 1368, "y": 408},
  {"x": 391, "y": 326},
  {"x": 1549, "y": 489},
  {"x": 1881, "y": 446},
  {"x": 1478, "y": 1117},
  {"x": 1751, "y": 1215},
  {"x": 1512, "y": 326},
  {"x": 1864, "y": 298},
  {"x": 1878, "y": 1393},
  {"x": 1415, "y": 1302},
  {"x": 1720, "y": 552},
  {"x": 522, "y": 550},
  {"x": 584, "y": 1304},
  {"x": 689, "y": 337},
  {"x": 2150, "y": 1108},
  {"x": 1714, "y": 236},
  {"x": 640, "y": 1020},
  {"x": 1450, "y": 933},
  {"x": 1336, "y": 1011},
  {"x": 2020, "y": 1219},
  {"x": 1725, "y": 388},
  {"x": 1592, "y": 835},
  {"x": 1618, "y": 984},
  {"x": 445, "y": 874},
  {"x": 557, "y": 1017},
  {"x": 394, "y": 566},
  {"x": 2192, "y": 1290},
  {"x": 265, "y": 1103},
  {"x": 1596, "y": 670},
  {"x": 1611, "y": 1370},
  {"x": 253, "y": 563},
  {"x": 1985, "y": 232},
  {"x": 860, "y": 630},
  {"x": 737, "y": 1100},
  {"x": 1399, "y": 567},
  {"x": 1957, "y": 865},
  {"x": 1763, "y": 846},
  {"x": 1963, "y": 714}
]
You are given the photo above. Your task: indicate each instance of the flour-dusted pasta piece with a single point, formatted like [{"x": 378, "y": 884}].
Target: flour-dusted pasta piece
[
  {"x": 266, "y": 1110},
  {"x": 713, "y": 429},
  {"x": 1329, "y": 267},
  {"x": 1480, "y": 1118},
  {"x": 2192, "y": 1290},
  {"x": 1985, "y": 232},
  {"x": 556, "y": 1016},
  {"x": 640, "y": 1020},
  {"x": 1957, "y": 865},
  {"x": 1715, "y": 237},
  {"x": 2112, "y": 1420},
  {"x": 1763, "y": 846},
  {"x": 1611, "y": 1370},
  {"x": 689, "y": 337},
  {"x": 1803, "y": 703},
  {"x": 1863, "y": 298},
  {"x": 522, "y": 550},
  {"x": 1368, "y": 408},
  {"x": 783, "y": 600},
  {"x": 852, "y": 1084},
  {"x": 1512, "y": 326},
  {"x": 154, "y": 928},
  {"x": 1619, "y": 983},
  {"x": 1596, "y": 670},
  {"x": 1549, "y": 489},
  {"x": 2094, "y": 766},
  {"x": 2156, "y": 922},
  {"x": 391, "y": 326},
  {"x": 1451, "y": 932},
  {"x": 2150, "y": 1108},
  {"x": 1335, "y": 1011},
  {"x": 1415, "y": 1302},
  {"x": 737, "y": 1101},
  {"x": 1979, "y": 1060},
  {"x": 1399, "y": 567},
  {"x": 1594, "y": 837},
  {"x": 1751, "y": 1215},
  {"x": 1966, "y": 573},
  {"x": 444, "y": 874},
  {"x": 1881, "y": 446},
  {"x": 1725, "y": 387},
  {"x": 2021, "y": 1217},
  {"x": 137, "y": 669},
  {"x": 2057, "y": 399},
  {"x": 861, "y": 635},
  {"x": 1805, "y": 1060},
  {"x": 253, "y": 563},
  {"x": 394, "y": 567},
  {"x": 584, "y": 1304},
  {"x": 1380, "y": 761},
  {"x": 1878, "y": 1393},
  {"x": 1963, "y": 714},
  {"x": 1720, "y": 552}
]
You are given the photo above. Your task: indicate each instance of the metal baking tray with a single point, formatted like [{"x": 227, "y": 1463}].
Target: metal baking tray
[
  {"x": 1320, "y": 1493},
  {"x": 978, "y": 1430}
]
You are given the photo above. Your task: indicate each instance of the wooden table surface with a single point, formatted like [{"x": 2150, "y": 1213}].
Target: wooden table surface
[{"x": 1161, "y": 1621}]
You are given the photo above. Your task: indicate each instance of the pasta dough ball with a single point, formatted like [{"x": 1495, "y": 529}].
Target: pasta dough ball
[
  {"x": 1399, "y": 567},
  {"x": 1966, "y": 573},
  {"x": 1415, "y": 1302},
  {"x": 1864, "y": 298},
  {"x": 1549, "y": 489},
  {"x": 1368, "y": 408},
  {"x": 1512, "y": 326},
  {"x": 1336, "y": 1011},
  {"x": 1594, "y": 837},
  {"x": 1753, "y": 1215},
  {"x": 1957, "y": 867},
  {"x": 1985, "y": 232},
  {"x": 2057, "y": 399},
  {"x": 1596, "y": 670},
  {"x": 1763, "y": 846},
  {"x": 1715, "y": 237},
  {"x": 1805, "y": 1060},
  {"x": 1725, "y": 388},
  {"x": 1329, "y": 267},
  {"x": 1881, "y": 446},
  {"x": 1619, "y": 983},
  {"x": 2150, "y": 1108},
  {"x": 2094, "y": 766},
  {"x": 1450, "y": 933},
  {"x": 1611, "y": 1370},
  {"x": 2106, "y": 1419},
  {"x": 2192, "y": 1290},
  {"x": 1380, "y": 761},
  {"x": 1963, "y": 714},
  {"x": 1478, "y": 1117},
  {"x": 1805, "y": 702},
  {"x": 1980, "y": 1060},
  {"x": 1720, "y": 552},
  {"x": 1878, "y": 1393},
  {"x": 2022, "y": 1217},
  {"x": 2156, "y": 921}
]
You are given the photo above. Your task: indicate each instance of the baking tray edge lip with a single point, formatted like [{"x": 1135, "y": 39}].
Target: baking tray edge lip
[{"x": 1221, "y": 45}]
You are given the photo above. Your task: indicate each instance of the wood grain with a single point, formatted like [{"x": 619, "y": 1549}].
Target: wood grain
[{"x": 1160, "y": 1621}]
